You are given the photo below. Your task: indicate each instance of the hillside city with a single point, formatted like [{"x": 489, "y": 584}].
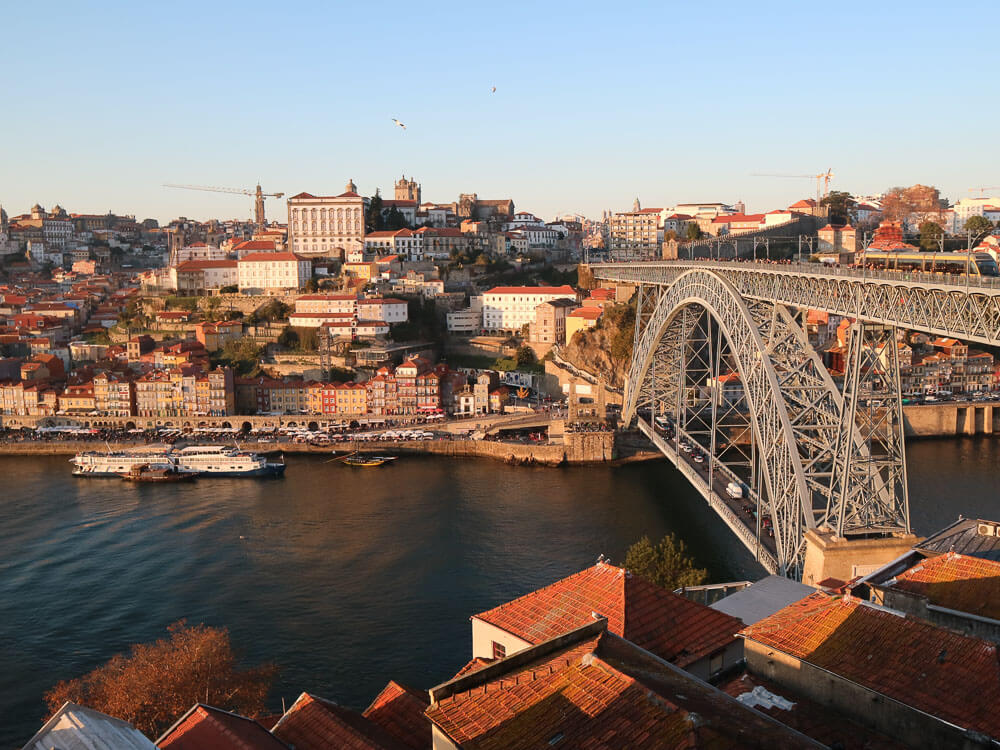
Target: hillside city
[
  {"x": 480, "y": 320},
  {"x": 369, "y": 308}
]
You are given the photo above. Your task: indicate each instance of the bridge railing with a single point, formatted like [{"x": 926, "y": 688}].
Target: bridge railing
[{"x": 966, "y": 281}]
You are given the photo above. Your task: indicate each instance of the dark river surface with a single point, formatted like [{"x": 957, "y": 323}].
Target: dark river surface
[{"x": 346, "y": 578}]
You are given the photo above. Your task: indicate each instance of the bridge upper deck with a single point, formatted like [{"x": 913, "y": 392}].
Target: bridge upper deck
[{"x": 965, "y": 307}]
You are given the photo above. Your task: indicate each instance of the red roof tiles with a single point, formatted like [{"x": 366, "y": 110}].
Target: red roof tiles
[
  {"x": 934, "y": 670},
  {"x": 560, "y": 290},
  {"x": 830, "y": 728},
  {"x": 966, "y": 584},
  {"x": 399, "y": 710},
  {"x": 269, "y": 257},
  {"x": 314, "y": 723},
  {"x": 596, "y": 692},
  {"x": 207, "y": 728},
  {"x": 672, "y": 627}
]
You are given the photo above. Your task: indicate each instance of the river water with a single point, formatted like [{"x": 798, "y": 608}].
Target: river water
[{"x": 345, "y": 578}]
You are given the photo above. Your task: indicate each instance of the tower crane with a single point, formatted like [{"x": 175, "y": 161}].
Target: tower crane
[
  {"x": 258, "y": 196},
  {"x": 982, "y": 190},
  {"x": 821, "y": 178}
]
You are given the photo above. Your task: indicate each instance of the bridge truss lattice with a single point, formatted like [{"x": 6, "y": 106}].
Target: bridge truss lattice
[{"x": 808, "y": 455}]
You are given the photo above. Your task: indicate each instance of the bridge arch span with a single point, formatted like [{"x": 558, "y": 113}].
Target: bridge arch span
[{"x": 777, "y": 367}]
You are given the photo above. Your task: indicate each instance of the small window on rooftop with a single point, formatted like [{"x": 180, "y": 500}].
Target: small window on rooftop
[
  {"x": 499, "y": 650},
  {"x": 556, "y": 738}
]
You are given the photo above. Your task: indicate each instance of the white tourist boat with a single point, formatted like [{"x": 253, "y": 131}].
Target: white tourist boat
[
  {"x": 114, "y": 463},
  {"x": 225, "y": 461},
  {"x": 205, "y": 460}
]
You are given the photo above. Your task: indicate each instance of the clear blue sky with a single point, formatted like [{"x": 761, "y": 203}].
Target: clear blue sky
[{"x": 595, "y": 103}]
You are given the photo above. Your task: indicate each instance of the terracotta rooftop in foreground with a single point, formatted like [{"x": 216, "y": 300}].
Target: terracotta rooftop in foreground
[
  {"x": 591, "y": 689},
  {"x": 314, "y": 723},
  {"x": 938, "y": 671},
  {"x": 399, "y": 710},
  {"x": 822, "y": 724},
  {"x": 966, "y": 584},
  {"x": 672, "y": 627},
  {"x": 207, "y": 728}
]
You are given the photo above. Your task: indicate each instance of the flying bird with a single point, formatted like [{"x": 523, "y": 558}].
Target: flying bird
[
  {"x": 399, "y": 123},
  {"x": 493, "y": 90}
]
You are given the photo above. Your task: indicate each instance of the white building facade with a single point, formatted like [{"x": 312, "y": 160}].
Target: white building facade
[
  {"x": 327, "y": 226},
  {"x": 388, "y": 310},
  {"x": 261, "y": 272},
  {"x": 508, "y": 308},
  {"x": 403, "y": 242}
]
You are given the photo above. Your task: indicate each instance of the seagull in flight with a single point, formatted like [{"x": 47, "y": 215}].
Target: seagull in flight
[
  {"x": 399, "y": 123},
  {"x": 493, "y": 90}
]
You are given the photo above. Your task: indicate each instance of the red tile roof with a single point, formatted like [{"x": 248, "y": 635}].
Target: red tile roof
[
  {"x": 966, "y": 584},
  {"x": 590, "y": 313},
  {"x": 314, "y": 723},
  {"x": 557, "y": 290},
  {"x": 199, "y": 265},
  {"x": 269, "y": 257},
  {"x": 597, "y": 692},
  {"x": 475, "y": 664},
  {"x": 934, "y": 670},
  {"x": 822, "y": 724},
  {"x": 672, "y": 627},
  {"x": 255, "y": 245},
  {"x": 207, "y": 728},
  {"x": 399, "y": 710},
  {"x": 389, "y": 233},
  {"x": 738, "y": 219}
]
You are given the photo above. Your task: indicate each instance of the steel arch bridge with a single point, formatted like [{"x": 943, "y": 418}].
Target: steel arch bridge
[{"x": 724, "y": 381}]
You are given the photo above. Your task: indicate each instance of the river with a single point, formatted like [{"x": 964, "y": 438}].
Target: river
[{"x": 346, "y": 578}]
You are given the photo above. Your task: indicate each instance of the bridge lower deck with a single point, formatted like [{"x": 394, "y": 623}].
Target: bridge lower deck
[{"x": 710, "y": 479}]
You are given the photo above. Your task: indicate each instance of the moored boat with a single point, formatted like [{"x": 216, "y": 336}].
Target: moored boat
[
  {"x": 113, "y": 463},
  {"x": 364, "y": 461},
  {"x": 203, "y": 460},
  {"x": 226, "y": 461},
  {"x": 143, "y": 473}
]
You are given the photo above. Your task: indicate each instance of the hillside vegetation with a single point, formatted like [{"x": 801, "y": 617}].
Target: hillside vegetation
[{"x": 606, "y": 349}]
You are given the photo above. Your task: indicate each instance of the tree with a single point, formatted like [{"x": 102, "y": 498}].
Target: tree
[
  {"x": 667, "y": 564},
  {"x": 229, "y": 289},
  {"x": 289, "y": 338},
  {"x": 930, "y": 236},
  {"x": 978, "y": 227},
  {"x": 899, "y": 203},
  {"x": 154, "y": 683},
  {"x": 525, "y": 356},
  {"x": 394, "y": 220},
  {"x": 693, "y": 231},
  {"x": 841, "y": 206},
  {"x": 312, "y": 285},
  {"x": 373, "y": 219}
]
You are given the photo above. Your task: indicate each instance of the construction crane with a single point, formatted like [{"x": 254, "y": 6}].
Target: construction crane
[
  {"x": 823, "y": 178},
  {"x": 258, "y": 196},
  {"x": 982, "y": 190}
]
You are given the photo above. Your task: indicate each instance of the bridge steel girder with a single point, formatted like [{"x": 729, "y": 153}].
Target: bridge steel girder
[
  {"x": 793, "y": 405},
  {"x": 967, "y": 309}
]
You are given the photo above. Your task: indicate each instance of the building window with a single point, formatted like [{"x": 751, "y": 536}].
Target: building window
[{"x": 499, "y": 650}]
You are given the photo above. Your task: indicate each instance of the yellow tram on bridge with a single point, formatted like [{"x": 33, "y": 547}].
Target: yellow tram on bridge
[{"x": 956, "y": 263}]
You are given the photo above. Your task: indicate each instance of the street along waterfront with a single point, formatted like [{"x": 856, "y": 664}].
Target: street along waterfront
[{"x": 345, "y": 578}]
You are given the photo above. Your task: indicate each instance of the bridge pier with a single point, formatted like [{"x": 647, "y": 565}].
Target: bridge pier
[{"x": 832, "y": 556}]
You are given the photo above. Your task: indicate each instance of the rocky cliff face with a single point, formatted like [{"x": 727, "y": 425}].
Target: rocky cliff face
[{"x": 606, "y": 349}]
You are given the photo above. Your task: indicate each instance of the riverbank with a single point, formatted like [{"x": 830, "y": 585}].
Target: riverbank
[{"x": 585, "y": 448}]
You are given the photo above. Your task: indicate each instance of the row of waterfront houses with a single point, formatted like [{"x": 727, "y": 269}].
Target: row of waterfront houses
[{"x": 188, "y": 390}]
